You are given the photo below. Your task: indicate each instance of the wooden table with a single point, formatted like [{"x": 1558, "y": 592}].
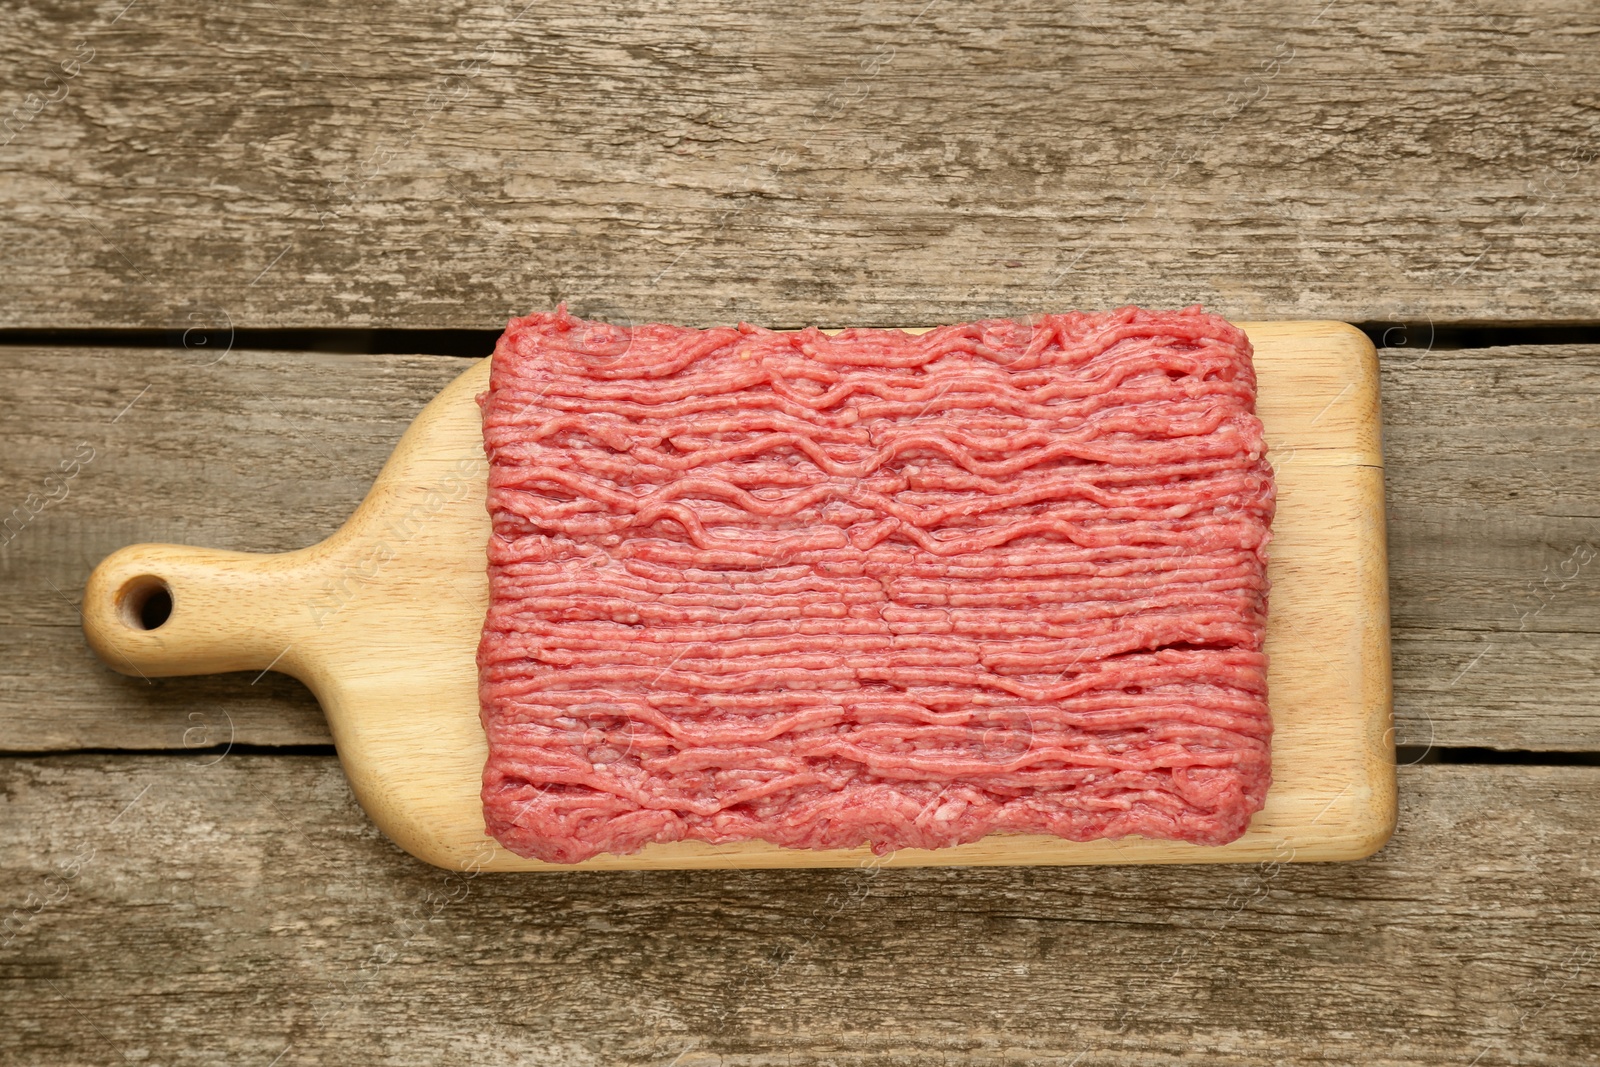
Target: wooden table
[{"x": 244, "y": 245}]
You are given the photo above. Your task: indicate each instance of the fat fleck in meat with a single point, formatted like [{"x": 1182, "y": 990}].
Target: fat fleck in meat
[{"x": 1004, "y": 576}]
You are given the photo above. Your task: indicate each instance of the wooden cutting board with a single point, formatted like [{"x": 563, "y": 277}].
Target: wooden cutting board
[{"x": 381, "y": 621}]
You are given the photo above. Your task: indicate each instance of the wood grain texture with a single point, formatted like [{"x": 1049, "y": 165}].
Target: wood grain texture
[
  {"x": 1467, "y": 433},
  {"x": 246, "y": 910},
  {"x": 253, "y": 452},
  {"x": 285, "y": 164},
  {"x": 382, "y": 622},
  {"x": 1492, "y": 459},
  {"x": 451, "y": 164}
]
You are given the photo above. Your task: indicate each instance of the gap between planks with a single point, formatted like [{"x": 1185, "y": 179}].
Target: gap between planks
[{"x": 1398, "y": 336}]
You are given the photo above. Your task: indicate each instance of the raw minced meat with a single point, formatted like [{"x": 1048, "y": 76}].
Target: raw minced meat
[{"x": 874, "y": 588}]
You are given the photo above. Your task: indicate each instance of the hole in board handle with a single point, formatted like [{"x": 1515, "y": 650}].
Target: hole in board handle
[{"x": 145, "y": 602}]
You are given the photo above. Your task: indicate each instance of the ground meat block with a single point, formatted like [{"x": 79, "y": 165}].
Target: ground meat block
[{"x": 874, "y": 588}]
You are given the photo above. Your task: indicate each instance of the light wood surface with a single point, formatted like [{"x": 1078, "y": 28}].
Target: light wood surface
[
  {"x": 381, "y": 622},
  {"x": 452, "y": 163}
]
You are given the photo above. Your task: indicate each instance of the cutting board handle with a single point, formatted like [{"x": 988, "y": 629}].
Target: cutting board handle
[{"x": 162, "y": 610}]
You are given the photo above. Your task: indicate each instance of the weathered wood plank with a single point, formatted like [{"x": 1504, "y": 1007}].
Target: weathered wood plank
[
  {"x": 1492, "y": 464},
  {"x": 159, "y": 907},
  {"x": 255, "y": 452},
  {"x": 453, "y": 163},
  {"x": 1492, "y": 473}
]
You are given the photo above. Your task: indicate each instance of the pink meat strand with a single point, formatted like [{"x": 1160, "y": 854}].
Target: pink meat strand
[{"x": 874, "y": 588}]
